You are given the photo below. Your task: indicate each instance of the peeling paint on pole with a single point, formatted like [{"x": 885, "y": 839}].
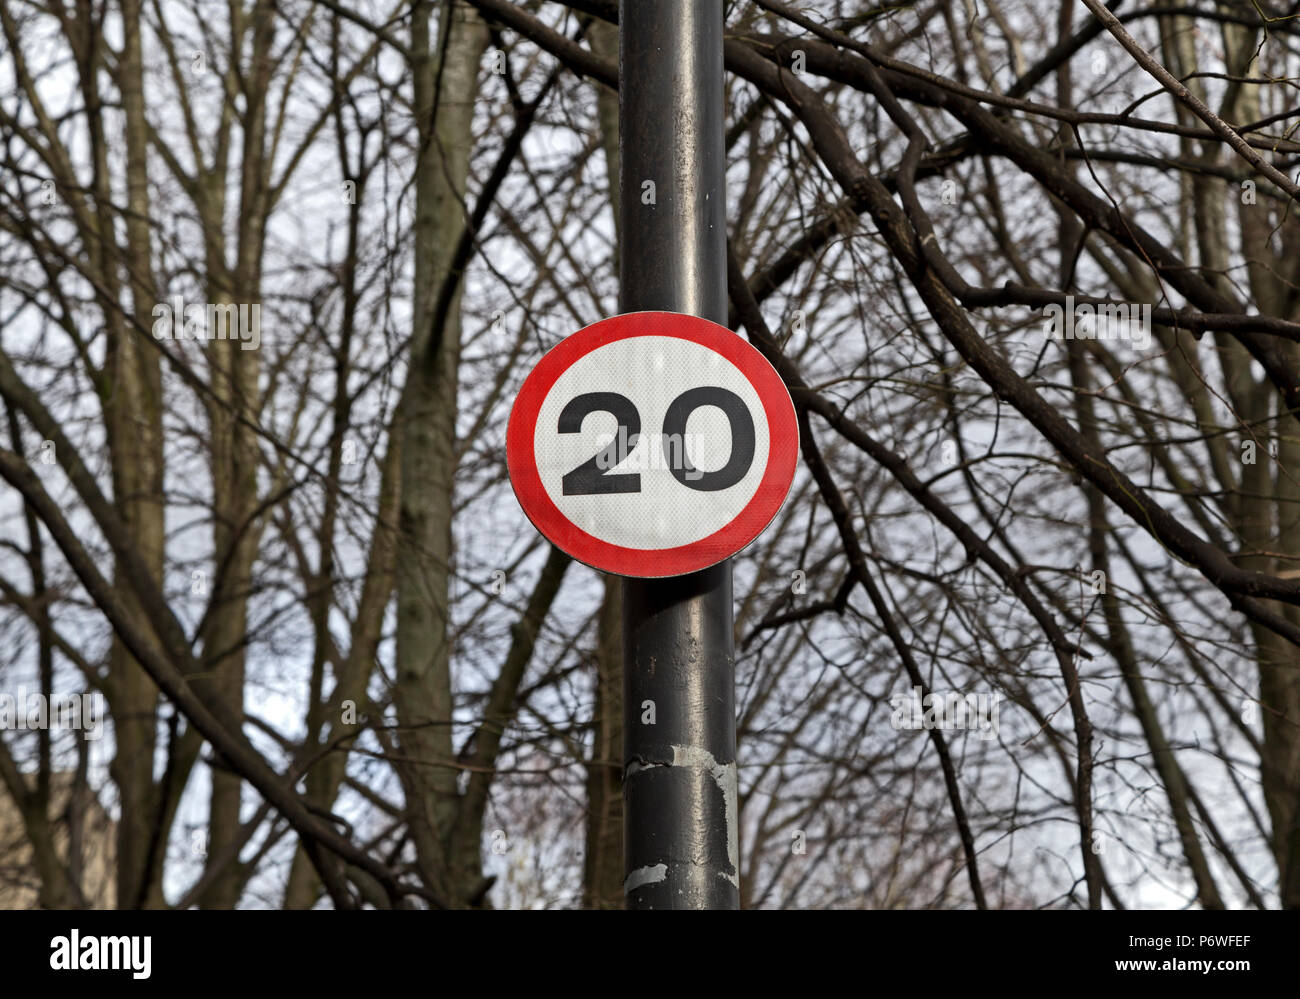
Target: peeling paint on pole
[
  {"x": 645, "y": 876},
  {"x": 724, "y": 775}
]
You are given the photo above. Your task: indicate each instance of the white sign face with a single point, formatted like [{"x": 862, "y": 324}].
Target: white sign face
[
  {"x": 669, "y": 509},
  {"x": 644, "y": 444}
]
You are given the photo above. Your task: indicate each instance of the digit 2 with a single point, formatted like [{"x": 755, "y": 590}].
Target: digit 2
[{"x": 592, "y": 476}]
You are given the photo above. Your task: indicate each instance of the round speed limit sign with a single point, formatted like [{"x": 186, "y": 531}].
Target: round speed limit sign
[{"x": 652, "y": 444}]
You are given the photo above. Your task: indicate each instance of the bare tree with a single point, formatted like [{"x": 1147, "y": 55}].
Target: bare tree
[{"x": 1024, "y": 633}]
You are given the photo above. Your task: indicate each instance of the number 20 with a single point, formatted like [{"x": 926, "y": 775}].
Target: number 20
[{"x": 593, "y": 476}]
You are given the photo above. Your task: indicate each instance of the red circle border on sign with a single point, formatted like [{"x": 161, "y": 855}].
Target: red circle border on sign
[{"x": 521, "y": 460}]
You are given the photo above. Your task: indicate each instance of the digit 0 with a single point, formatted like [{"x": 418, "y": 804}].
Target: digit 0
[{"x": 742, "y": 438}]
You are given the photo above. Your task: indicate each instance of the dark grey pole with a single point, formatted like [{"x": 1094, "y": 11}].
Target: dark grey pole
[{"x": 679, "y": 787}]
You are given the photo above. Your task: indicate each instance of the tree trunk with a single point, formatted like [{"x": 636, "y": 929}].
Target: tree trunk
[{"x": 427, "y": 426}]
